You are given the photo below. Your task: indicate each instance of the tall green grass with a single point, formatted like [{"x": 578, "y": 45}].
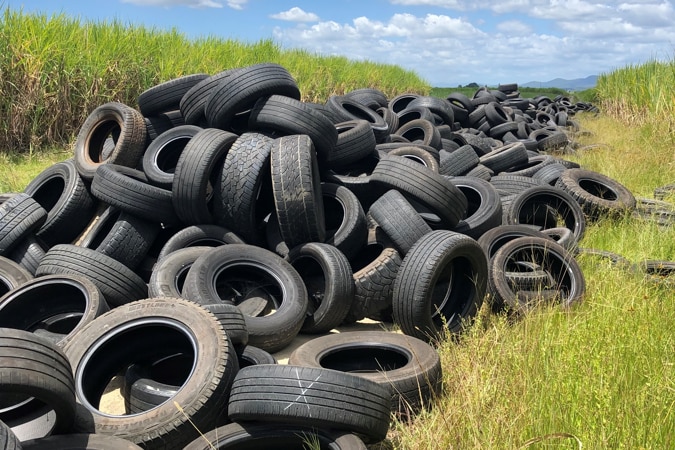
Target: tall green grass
[
  {"x": 54, "y": 70},
  {"x": 640, "y": 93}
]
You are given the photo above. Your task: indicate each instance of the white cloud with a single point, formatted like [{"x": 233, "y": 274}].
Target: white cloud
[
  {"x": 581, "y": 37},
  {"x": 236, "y": 4},
  {"x": 511, "y": 27},
  {"x": 190, "y": 3},
  {"x": 295, "y": 14}
]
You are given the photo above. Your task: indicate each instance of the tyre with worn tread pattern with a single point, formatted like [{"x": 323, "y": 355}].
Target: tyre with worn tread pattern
[{"x": 313, "y": 397}]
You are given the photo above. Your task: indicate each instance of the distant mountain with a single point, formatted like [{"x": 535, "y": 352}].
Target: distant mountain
[{"x": 578, "y": 84}]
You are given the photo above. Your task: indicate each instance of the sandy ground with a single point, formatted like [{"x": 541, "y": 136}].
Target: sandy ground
[{"x": 113, "y": 403}]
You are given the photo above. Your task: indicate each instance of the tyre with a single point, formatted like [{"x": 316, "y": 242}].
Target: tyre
[
  {"x": 8, "y": 440},
  {"x": 239, "y": 92},
  {"x": 328, "y": 277},
  {"x": 409, "y": 367},
  {"x": 233, "y": 322},
  {"x": 197, "y": 166},
  {"x": 122, "y": 236},
  {"x": 166, "y": 96},
  {"x": 375, "y": 268},
  {"x": 347, "y": 109},
  {"x": 297, "y": 190},
  {"x": 288, "y": 116},
  {"x": 199, "y": 236},
  {"x": 161, "y": 157},
  {"x": 346, "y": 226},
  {"x": 168, "y": 274},
  {"x": 492, "y": 240},
  {"x": 193, "y": 102},
  {"x": 421, "y": 130},
  {"x": 484, "y": 206},
  {"x": 568, "y": 281},
  {"x": 237, "y": 273},
  {"x": 129, "y": 190},
  {"x": 243, "y": 190},
  {"x": 429, "y": 192},
  {"x": 355, "y": 141},
  {"x": 268, "y": 435},
  {"x": 12, "y": 275},
  {"x": 418, "y": 155},
  {"x": 20, "y": 216},
  {"x": 28, "y": 253},
  {"x": 34, "y": 367},
  {"x": 152, "y": 329},
  {"x": 127, "y": 128},
  {"x": 399, "y": 220},
  {"x": 505, "y": 157},
  {"x": 117, "y": 282},
  {"x": 597, "y": 194},
  {"x": 253, "y": 356},
  {"x": 310, "y": 396},
  {"x": 55, "y": 306},
  {"x": 458, "y": 162},
  {"x": 547, "y": 207},
  {"x": 60, "y": 190},
  {"x": 440, "y": 285}
]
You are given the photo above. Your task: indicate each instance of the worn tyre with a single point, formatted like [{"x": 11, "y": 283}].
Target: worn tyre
[{"x": 313, "y": 397}]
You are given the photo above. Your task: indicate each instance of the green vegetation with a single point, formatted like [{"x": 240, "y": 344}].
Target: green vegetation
[
  {"x": 55, "y": 70},
  {"x": 640, "y": 93}
]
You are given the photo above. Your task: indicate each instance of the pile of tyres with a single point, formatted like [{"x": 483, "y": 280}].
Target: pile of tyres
[{"x": 190, "y": 239}]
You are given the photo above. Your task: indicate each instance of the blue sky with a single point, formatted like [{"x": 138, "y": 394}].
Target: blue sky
[{"x": 447, "y": 42}]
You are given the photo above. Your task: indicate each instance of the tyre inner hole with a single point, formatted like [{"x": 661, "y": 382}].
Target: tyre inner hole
[
  {"x": 598, "y": 190},
  {"x": 97, "y": 141},
  {"x": 473, "y": 199},
  {"x": 167, "y": 157},
  {"x": 357, "y": 112},
  {"x": 254, "y": 290},
  {"x": 138, "y": 342},
  {"x": 559, "y": 281},
  {"x": 334, "y": 215},
  {"x": 314, "y": 279},
  {"x": 453, "y": 291},
  {"x": 49, "y": 193},
  {"x": 29, "y": 311},
  {"x": 366, "y": 255},
  {"x": 369, "y": 358}
]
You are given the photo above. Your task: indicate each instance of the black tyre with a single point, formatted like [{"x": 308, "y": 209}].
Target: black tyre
[
  {"x": 193, "y": 102},
  {"x": 122, "y": 236},
  {"x": 355, "y": 141},
  {"x": 34, "y": 367},
  {"x": 375, "y": 268},
  {"x": 253, "y": 356},
  {"x": 12, "y": 275},
  {"x": 288, "y": 116},
  {"x": 243, "y": 193},
  {"x": 348, "y": 109},
  {"x": 166, "y": 96},
  {"x": 117, "y": 282},
  {"x": 399, "y": 220},
  {"x": 239, "y": 92},
  {"x": 328, "y": 278},
  {"x": 121, "y": 122},
  {"x": 297, "y": 190},
  {"x": 458, "y": 162},
  {"x": 197, "y": 166},
  {"x": 408, "y": 366},
  {"x": 421, "y": 130},
  {"x": 568, "y": 281},
  {"x": 268, "y": 435},
  {"x": 597, "y": 194},
  {"x": 312, "y": 397},
  {"x": 484, "y": 206},
  {"x": 20, "y": 216},
  {"x": 201, "y": 236},
  {"x": 238, "y": 272},
  {"x": 440, "y": 285},
  {"x": 429, "y": 192},
  {"x": 60, "y": 190},
  {"x": 54, "y": 306},
  {"x": 418, "y": 155},
  {"x": 233, "y": 322},
  {"x": 492, "y": 240},
  {"x": 547, "y": 207},
  {"x": 8, "y": 440},
  {"x": 129, "y": 190},
  {"x": 152, "y": 329},
  {"x": 505, "y": 157},
  {"x": 168, "y": 274},
  {"x": 161, "y": 157},
  {"x": 28, "y": 253},
  {"x": 346, "y": 226}
]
